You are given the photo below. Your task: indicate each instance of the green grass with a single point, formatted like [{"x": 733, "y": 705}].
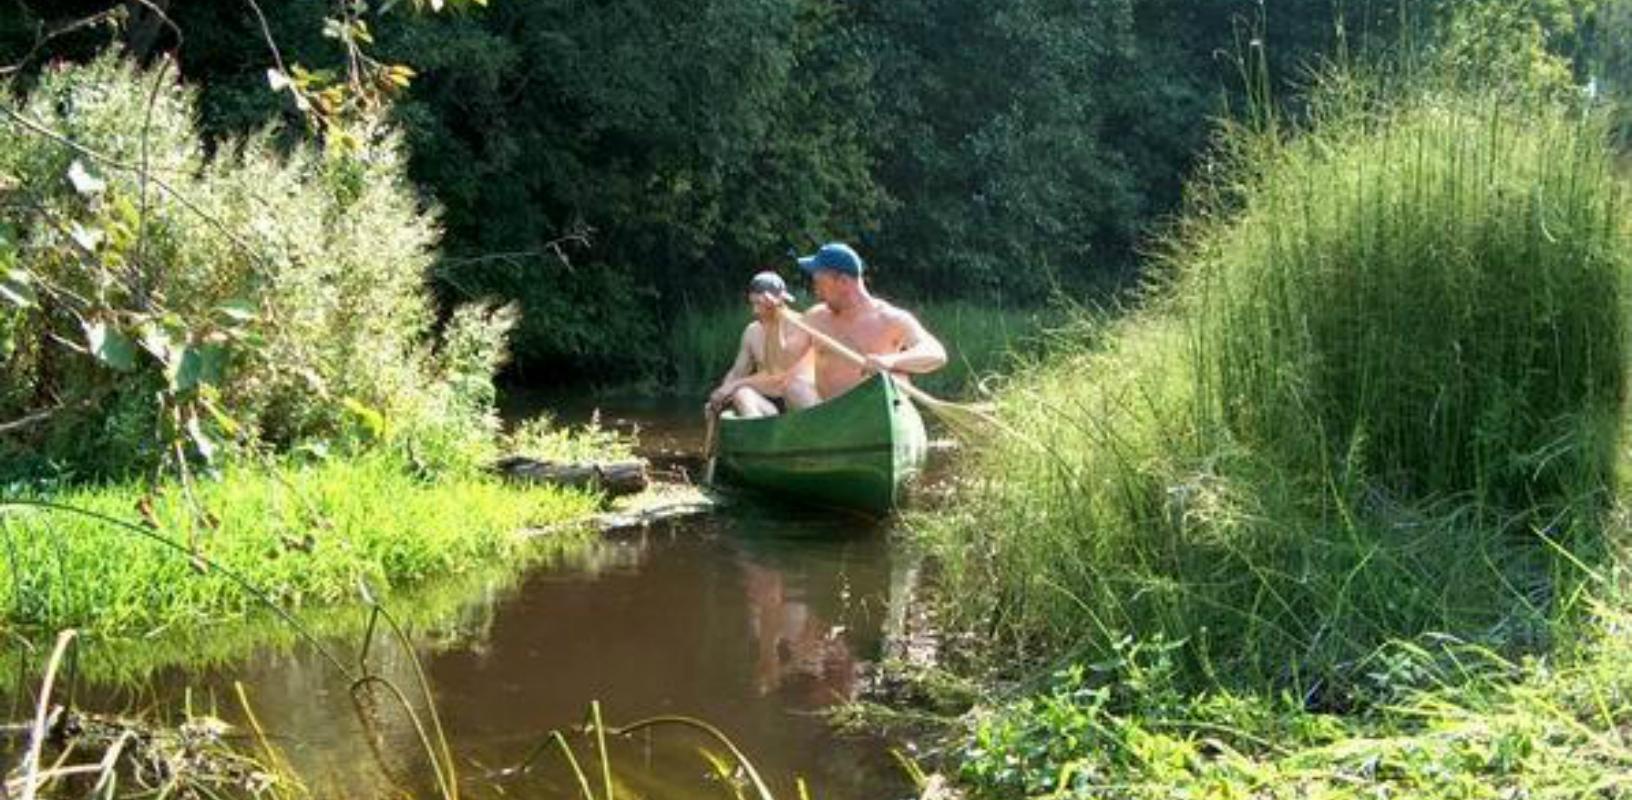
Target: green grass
[
  {"x": 1339, "y": 511},
  {"x": 1454, "y": 722},
  {"x": 1375, "y": 397},
  {"x": 306, "y": 535},
  {"x": 980, "y": 342}
]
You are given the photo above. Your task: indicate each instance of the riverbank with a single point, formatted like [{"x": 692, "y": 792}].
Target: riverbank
[
  {"x": 1455, "y": 720},
  {"x": 697, "y": 618},
  {"x": 295, "y": 534},
  {"x": 1340, "y": 511}
]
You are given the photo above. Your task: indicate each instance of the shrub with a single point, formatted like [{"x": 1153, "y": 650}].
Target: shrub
[{"x": 244, "y": 293}]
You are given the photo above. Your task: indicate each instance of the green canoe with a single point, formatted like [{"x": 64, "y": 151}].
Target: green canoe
[{"x": 853, "y": 451}]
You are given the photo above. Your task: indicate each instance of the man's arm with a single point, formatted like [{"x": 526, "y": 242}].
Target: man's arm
[
  {"x": 797, "y": 354},
  {"x": 740, "y": 370},
  {"x": 920, "y": 351}
]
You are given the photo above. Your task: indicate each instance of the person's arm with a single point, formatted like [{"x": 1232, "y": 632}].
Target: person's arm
[
  {"x": 797, "y": 354},
  {"x": 920, "y": 351},
  {"x": 740, "y": 370}
]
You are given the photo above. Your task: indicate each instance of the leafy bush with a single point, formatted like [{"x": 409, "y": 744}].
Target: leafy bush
[{"x": 243, "y": 294}]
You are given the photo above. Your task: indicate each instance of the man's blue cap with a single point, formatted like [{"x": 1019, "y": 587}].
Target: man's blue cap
[{"x": 836, "y": 256}]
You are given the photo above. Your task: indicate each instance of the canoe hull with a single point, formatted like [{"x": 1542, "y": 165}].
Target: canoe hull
[{"x": 854, "y": 451}]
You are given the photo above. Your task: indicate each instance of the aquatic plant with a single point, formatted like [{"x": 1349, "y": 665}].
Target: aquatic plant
[{"x": 100, "y": 755}]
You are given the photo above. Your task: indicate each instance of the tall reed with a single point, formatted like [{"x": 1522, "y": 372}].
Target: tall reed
[{"x": 1376, "y": 394}]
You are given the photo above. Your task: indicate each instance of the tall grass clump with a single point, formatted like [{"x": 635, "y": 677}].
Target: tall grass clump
[
  {"x": 1429, "y": 295},
  {"x": 1375, "y": 395}
]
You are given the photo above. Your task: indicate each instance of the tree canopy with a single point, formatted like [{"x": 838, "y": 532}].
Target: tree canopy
[{"x": 609, "y": 163}]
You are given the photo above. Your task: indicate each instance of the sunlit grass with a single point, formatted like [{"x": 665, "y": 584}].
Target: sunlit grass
[
  {"x": 1376, "y": 397},
  {"x": 1339, "y": 511},
  {"x": 303, "y": 534},
  {"x": 1456, "y": 721}
]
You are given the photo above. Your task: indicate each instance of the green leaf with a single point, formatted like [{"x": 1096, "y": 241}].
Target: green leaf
[
  {"x": 212, "y": 370},
  {"x": 227, "y": 424},
  {"x": 156, "y": 341},
  {"x": 238, "y": 311},
  {"x": 372, "y": 420},
  {"x": 111, "y": 346},
  {"x": 84, "y": 182},
  {"x": 206, "y": 446},
  {"x": 87, "y": 238},
  {"x": 198, "y": 365},
  {"x": 17, "y": 288}
]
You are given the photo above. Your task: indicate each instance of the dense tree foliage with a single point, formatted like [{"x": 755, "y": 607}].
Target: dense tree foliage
[{"x": 610, "y": 163}]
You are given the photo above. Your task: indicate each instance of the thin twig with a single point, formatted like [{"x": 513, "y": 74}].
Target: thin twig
[
  {"x": 29, "y": 421},
  {"x": 137, "y": 290},
  {"x": 266, "y": 33},
  {"x": 36, "y": 739}
]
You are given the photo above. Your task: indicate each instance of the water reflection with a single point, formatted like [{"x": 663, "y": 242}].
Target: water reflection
[
  {"x": 746, "y": 622},
  {"x": 796, "y": 648}
]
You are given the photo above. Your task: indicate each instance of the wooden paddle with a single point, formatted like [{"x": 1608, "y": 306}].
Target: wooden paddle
[
  {"x": 710, "y": 440},
  {"x": 967, "y": 417}
]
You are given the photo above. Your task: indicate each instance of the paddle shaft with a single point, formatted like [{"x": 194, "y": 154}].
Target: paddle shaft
[
  {"x": 710, "y": 440},
  {"x": 963, "y": 417}
]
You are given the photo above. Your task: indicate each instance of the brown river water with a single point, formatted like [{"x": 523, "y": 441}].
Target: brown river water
[{"x": 753, "y": 620}]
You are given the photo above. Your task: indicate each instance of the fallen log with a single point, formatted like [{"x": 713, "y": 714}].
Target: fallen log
[{"x": 614, "y": 478}]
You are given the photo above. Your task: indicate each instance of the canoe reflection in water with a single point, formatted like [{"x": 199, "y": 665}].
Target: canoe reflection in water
[{"x": 797, "y": 653}]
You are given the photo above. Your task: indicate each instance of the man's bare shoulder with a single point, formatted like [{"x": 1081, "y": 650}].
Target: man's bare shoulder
[{"x": 894, "y": 314}]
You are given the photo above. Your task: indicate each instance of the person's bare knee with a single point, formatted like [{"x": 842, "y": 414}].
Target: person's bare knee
[
  {"x": 750, "y": 403},
  {"x": 801, "y": 394}
]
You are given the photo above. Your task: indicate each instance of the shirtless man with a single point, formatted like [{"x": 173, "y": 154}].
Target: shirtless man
[
  {"x": 773, "y": 360},
  {"x": 892, "y": 339}
]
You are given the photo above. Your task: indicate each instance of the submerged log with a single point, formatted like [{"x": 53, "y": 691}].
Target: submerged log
[{"x": 615, "y": 478}]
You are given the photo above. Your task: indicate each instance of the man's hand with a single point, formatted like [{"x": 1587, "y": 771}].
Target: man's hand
[
  {"x": 765, "y": 301},
  {"x": 719, "y": 397}
]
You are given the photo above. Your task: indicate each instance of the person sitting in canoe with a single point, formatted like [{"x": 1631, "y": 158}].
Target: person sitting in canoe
[
  {"x": 890, "y": 339},
  {"x": 773, "y": 361}
]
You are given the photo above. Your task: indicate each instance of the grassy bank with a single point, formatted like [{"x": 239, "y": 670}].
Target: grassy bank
[
  {"x": 980, "y": 341},
  {"x": 1462, "y": 722},
  {"x": 1330, "y": 512},
  {"x": 303, "y": 534}
]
